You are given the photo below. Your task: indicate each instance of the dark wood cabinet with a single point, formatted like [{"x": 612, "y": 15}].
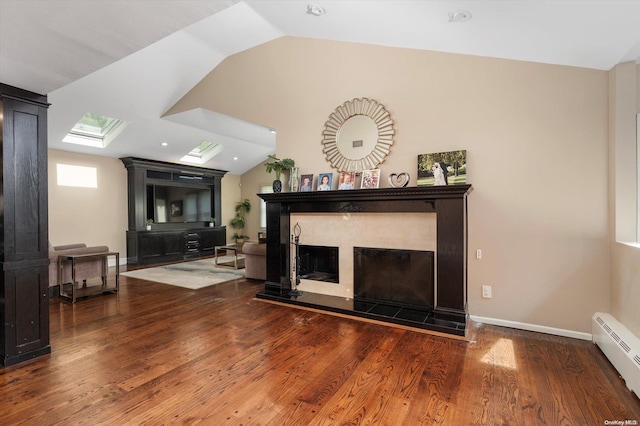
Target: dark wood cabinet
[
  {"x": 24, "y": 279},
  {"x": 209, "y": 238},
  {"x": 144, "y": 247},
  {"x": 181, "y": 200},
  {"x": 159, "y": 246}
]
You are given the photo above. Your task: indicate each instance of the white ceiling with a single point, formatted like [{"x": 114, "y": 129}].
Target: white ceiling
[{"x": 134, "y": 59}]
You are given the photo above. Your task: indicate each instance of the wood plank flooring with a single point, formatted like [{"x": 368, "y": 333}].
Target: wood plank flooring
[{"x": 157, "y": 354}]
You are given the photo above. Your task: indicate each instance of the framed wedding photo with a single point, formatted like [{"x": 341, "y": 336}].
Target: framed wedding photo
[{"x": 442, "y": 168}]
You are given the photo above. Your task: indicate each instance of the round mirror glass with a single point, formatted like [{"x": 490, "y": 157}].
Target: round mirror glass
[{"x": 358, "y": 135}]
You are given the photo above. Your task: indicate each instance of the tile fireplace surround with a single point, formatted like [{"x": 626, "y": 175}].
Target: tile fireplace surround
[{"x": 422, "y": 218}]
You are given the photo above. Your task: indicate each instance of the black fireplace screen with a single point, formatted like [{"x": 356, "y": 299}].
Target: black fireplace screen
[
  {"x": 393, "y": 275},
  {"x": 319, "y": 263}
]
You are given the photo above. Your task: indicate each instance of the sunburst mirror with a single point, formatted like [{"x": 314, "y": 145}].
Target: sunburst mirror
[{"x": 358, "y": 135}]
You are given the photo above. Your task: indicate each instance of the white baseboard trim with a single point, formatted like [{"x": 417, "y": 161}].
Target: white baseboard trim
[
  {"x": 533, "y": 327},
  {"x": 112, "y": 261}
]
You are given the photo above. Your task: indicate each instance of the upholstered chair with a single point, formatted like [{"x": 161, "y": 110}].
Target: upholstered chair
[{"x": 255, "y": 260}]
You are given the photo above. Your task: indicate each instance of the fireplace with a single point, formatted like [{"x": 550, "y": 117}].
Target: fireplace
[
  {"x": 426, "y": 226},
  {"x": 319, "y": 263},
  {"x": 398, "y": 276}
]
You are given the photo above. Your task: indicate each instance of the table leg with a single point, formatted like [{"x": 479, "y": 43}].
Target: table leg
[
  {"x": 117, "y": 272},
  {"x": 73, "y": 280}
]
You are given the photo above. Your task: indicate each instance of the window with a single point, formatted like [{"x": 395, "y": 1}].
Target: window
[
  {"x": 203, "y": 152},
  {"x": 95, "y": 130},
  {"x": 264, "y": 189},
  {"x": 79, "y": 176}
]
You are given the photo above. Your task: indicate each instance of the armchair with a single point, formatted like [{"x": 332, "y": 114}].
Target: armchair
[
  {"x": 255, "y": 261},
  {"x": 85, "y": 268}
]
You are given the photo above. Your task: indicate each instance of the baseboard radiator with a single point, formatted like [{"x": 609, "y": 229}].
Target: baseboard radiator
[{"x": 620, "y": 346}]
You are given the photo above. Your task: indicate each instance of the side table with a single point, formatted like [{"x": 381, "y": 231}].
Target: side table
[
  {"x": 229, "y": 247},
  {"x": 105, "y": 287}
]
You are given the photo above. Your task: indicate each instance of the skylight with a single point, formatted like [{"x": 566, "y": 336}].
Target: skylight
[
  {"x": 203, "y": 152},
  {"x": 95, "y": 130}
]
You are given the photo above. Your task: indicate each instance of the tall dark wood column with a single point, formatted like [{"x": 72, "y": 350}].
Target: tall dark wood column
[
  {"x": 24, "y": 253},
  {"x": 278, "y": 248}
]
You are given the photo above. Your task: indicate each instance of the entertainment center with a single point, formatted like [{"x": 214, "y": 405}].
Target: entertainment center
[{"x": 181, "y": 200}]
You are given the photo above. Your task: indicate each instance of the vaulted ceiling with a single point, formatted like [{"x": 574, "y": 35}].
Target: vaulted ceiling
[{"x": 134, "y": 59}]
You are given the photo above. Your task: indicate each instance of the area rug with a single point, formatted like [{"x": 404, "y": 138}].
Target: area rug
[{"x": 193, "y": 275}]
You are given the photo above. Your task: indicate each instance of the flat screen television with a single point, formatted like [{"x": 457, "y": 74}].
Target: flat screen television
[{"x": 179, "y": 203}]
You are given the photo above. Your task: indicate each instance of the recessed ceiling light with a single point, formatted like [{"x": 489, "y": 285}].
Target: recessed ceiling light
[
  {"x": 235, "y": 158},
  {"x": 164, "y": 144},
  {"x": 459, "y": 15},
  {"x": 315, "y": 10}
]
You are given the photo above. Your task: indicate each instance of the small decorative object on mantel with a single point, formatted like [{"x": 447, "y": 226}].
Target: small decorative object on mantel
[
  {"x": 370, "y": 179},
  {"x": 278, "y": 166},
  {"x": 399, "y": 180},
  {"x": 149, "y": 223},
  {"x": 212, "y": 222},
  {"x": 442, "y": 168},
  {"x": 294, "y": 179}
]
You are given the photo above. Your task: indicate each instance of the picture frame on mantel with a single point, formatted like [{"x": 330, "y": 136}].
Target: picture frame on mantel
[
  {"x": 306, "y": 183},
  {"x": 370, "y": 179},
  {"x": 347, "y": 180},
  {"x": 442, "y": 168},
  {"x": 325, "y": 181}
]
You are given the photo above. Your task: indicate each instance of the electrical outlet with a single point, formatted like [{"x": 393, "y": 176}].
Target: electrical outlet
[
  {"x": 486, "y": 291},
  {"x": 478, "y": 254}
]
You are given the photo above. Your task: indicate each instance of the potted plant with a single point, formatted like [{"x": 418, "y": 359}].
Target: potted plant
[
  {"x": 278, "y": 165},
  {"x": 149, "y": 223},
  {"x": 238, "y": 221},
  {"x": 212, "y": 222}
]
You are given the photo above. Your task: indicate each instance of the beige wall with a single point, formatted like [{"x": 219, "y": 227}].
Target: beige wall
[
  {"x": 623, "y": 183},
  {"x": 231, "y": 194},
  {"x": 638, "y": 88},
  {"x": 98, "y": 216},
  {"x": 624, "y": 81},
  {"x": 252, "y": 181},
  {"x": 536, "y": 139},
  {"x": 95, "y": 216}
]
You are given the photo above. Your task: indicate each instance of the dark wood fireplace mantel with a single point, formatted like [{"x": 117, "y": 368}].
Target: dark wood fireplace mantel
[{"x": 449, "y": 203}]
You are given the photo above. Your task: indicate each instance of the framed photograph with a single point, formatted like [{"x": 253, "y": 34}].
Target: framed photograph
[
  {"x": 442, "y": 168},
  {"x": 346, "y": 180},
  {"x": 176, "y": 208},
  {"x": 325, "y": 181},
  {"x": 370, "y": 179},
  {"x": 306, "y": 183}
]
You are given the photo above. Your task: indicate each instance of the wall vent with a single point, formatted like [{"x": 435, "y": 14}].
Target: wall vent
[{"x": 620, "y": 346}]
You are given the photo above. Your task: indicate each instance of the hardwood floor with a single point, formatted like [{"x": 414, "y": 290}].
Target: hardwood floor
[{"x": 157, "y": 354}]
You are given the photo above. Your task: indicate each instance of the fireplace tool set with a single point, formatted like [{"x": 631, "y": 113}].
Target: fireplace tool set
[{"x": 296, "y": 241}]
